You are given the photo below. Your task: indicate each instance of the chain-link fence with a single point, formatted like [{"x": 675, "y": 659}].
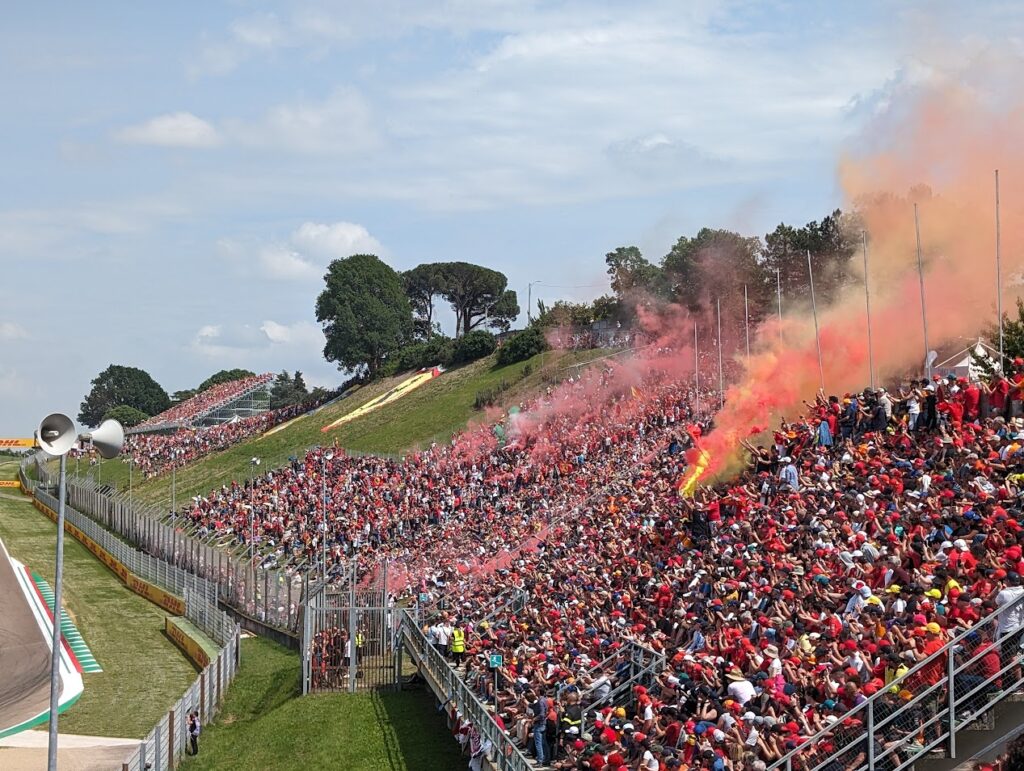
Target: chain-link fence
[
  {"x": 198, "y": 599},
  {"x": 269, "y": 596}
]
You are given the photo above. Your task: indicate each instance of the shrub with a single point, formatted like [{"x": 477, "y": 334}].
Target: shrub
[
  {"x": 522, "y": 346},
  {"x": 473, "y": 346}
]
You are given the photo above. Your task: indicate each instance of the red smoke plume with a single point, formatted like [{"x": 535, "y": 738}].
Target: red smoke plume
[{"x": 941, "y": 156}]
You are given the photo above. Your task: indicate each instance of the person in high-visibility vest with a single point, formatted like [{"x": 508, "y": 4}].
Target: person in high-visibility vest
[
  {"x": 458, "y": 644},
  {"x": 359, "y": 646}
]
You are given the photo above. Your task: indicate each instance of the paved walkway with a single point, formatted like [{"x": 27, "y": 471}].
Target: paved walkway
[{"x": 26, "y": 751}]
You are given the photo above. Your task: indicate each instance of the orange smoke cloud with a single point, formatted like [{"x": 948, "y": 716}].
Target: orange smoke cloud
[{"x": 942, "y": 156}]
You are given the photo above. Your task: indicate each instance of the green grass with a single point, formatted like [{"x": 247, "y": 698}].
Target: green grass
[
  {"x": 265, "y": 725},
  {"x": 431, "y": 413},
  {"x": 143, "y": 672}
]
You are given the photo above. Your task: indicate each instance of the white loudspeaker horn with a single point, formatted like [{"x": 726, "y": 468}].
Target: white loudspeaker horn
[
  {"x": 56, "y": 434},
  {"x": 108, "y": 438}
]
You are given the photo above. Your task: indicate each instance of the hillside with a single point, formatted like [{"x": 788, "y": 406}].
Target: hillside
[{"x": 430, "y": 413}]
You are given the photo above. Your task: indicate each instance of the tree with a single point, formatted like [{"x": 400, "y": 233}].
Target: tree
[
  {"x": 183, "y": 396},
  {"x": 564, "y": 314},
  {"x": 119, "y": 385},
  {"x": 632, "y": 274},
  {"x": 831, "y": 242},
  {"x": 714, "y": 266},
  {"x": 364, "y": 312},
  {"x": 287, "y": 390},
  {"x": 125, "y": 415},
  {"x": 422, "y": 284},
  {"x": 224, "y": 376},
  {"x": 478, "y": 296}
]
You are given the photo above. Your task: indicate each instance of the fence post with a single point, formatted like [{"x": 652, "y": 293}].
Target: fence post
[
  {"x": 171, "y": 745},
  {"x": 220, "y": 682},
  {"x": 950, "y": 666},
  {"x": 202, "y": 695}
]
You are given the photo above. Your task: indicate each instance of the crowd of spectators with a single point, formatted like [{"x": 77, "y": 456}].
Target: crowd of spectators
[
  {"x": 184, "y": 413},
  {"x": 859, "y": 539},
  {"x": 155, "y": 454}
]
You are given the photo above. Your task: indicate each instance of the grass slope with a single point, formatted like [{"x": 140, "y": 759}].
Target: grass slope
[
  {"x": 431, "y": 413},
  {"x": 266, "y": 725},
  {"x": 143, "y": 672}
]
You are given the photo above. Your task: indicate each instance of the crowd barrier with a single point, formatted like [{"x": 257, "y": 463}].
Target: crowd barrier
[{"x": 176, "y": 590}]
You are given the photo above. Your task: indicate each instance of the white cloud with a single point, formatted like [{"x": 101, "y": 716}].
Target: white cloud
[
  {"x": 340, "y": 124},
  {"x": 304, "y": 256},
  {"x": 280, "y": 262},
  {"x": 301, "y": 334},
  {"x": 339, "y": 239},
  {"x": 177, "y": 129},
  {"x": 10, "y": 330}
]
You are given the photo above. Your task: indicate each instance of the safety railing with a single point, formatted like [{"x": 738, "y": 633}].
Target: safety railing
[
  {"x": 922, "y": 710},
  {"x": 634, "y": 665},
  {"x": 168, "y": 739},
  {"x": 452, "y": 692}
]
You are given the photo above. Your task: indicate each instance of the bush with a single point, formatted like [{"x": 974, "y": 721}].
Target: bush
[
  {"x": 522, "y": 346},
  {"x": 438, "y": 350},
  {"x": 473, "y": 346},
  {"x": 490, "y": 396}
]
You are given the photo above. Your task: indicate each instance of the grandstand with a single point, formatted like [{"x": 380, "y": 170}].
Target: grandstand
[
  {"x": 217, "y": 404},
  {"x": 863, "y": 571}
]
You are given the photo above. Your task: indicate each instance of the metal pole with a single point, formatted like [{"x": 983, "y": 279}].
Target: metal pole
[
  {"x": 746, "y": 318},
  {"x": 999, "y": 276},
  {"x": 920, "y": 277},
  {"x": 721, "y": 376},
  {"x": 814, "y": 310},
  {"x": 131, "y": 465},
  {"x": 529, "y": 302},
  {"x": 696, "y": 372},
  {"x": 778, "y": 294},
  {"x": 867, "y": 301},
  {"x": 174, "y": 481},
  {"x": 353, "y": 664},
  {"x": 58, "y": 586},
  {"x": 323, "y": 498}
]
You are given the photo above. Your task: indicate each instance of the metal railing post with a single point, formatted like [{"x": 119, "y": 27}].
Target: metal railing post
[
  {"x": 950, "y": 666},
  {"x": 871, "y": 734}
]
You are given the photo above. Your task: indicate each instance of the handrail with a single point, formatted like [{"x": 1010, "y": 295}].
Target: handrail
[
  {"x": 948, "y": 650},
  {"x": 504, "y": 755}
]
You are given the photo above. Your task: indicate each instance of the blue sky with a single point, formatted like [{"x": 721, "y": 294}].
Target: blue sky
[{"x": 179, "y": 175}]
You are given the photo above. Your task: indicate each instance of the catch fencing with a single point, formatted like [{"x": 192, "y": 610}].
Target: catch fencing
[
  {"x": 168, "y": 739},
  {"x": 269, "y": 596}
]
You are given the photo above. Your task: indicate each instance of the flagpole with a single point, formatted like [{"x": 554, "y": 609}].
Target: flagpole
[
  {"x": 696, "y": 372},
  {"x": 721, "y": 375},
  {"x": 814, "y": 309},
  {"x": 999, "y": 277},
  {"x": 867, "y": 302},
  {"x": 746, "y": 318},
  {"x": 920, "y": 278}
]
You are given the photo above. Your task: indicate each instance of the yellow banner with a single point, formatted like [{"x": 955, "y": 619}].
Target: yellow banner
[
  {"x": 10, "y": 483},
  {"x": 155, "y": 594},
  {"x": 192, "y": 648},
  {"x": 18, "y": 442}
]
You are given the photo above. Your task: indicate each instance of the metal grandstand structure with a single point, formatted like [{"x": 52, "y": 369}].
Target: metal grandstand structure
[{"x": 252, "y": 401}]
